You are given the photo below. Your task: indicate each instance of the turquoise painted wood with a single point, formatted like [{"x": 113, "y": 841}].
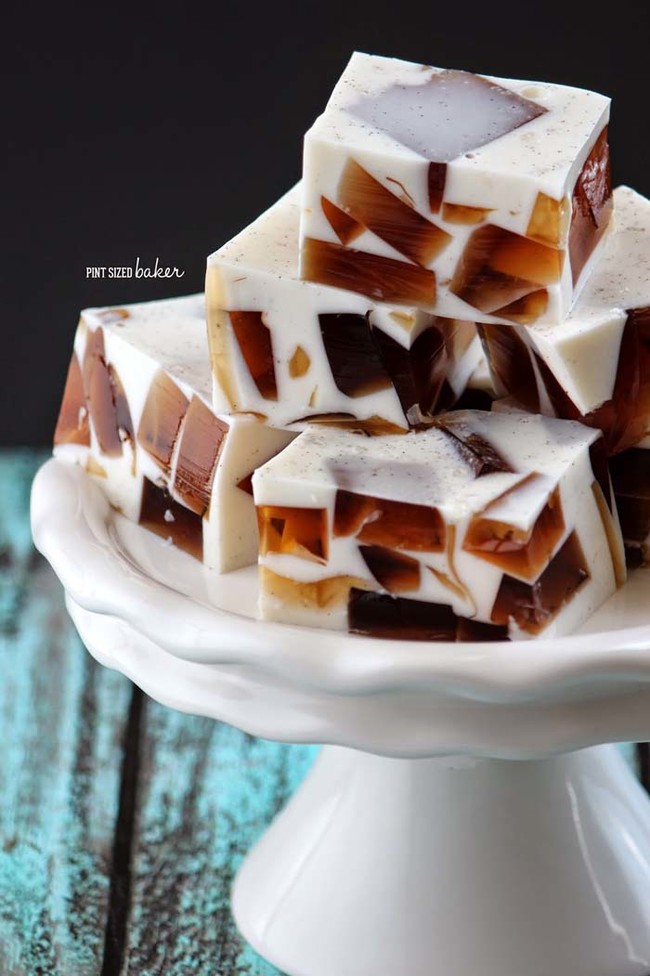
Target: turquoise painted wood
[
  {"x": 122, "y": 822},
  {"x": 207, "y": 791},
  {"x": 61, "y": 724}
]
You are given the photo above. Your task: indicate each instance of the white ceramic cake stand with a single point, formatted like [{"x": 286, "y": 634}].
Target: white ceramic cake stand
[{"x": 416, "y": 846}]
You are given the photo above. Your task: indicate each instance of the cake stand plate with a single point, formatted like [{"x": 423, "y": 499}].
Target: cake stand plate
[{"x": 417, "y": 845}]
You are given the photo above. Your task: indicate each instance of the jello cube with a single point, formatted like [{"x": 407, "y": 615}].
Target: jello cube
[
  {"x": 469, "y": 196},
  {"x": 595, "y": 366},
  {"x": 137, "y": 414},
  {"x": 291, "y": 350},
  {"x": 485, "y": 526}
]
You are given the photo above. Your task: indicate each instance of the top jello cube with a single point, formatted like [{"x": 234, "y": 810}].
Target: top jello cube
[{"x": 475, "y": 197}]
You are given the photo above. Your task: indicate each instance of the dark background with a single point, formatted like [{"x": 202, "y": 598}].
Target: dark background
[{"x": 142, "y": 134}]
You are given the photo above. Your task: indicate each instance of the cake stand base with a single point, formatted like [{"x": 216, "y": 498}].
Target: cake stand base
[{"x": 454, "y": 866}]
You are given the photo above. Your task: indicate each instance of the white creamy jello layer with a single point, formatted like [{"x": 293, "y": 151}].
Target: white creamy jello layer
[
  {"x": 472, "y": 196},
  {"x": 485, "y": 526},
  {"x": 137, "y": 414},
  {"x": 594, "y": 366},
  {"x": 289, "y": 349}
]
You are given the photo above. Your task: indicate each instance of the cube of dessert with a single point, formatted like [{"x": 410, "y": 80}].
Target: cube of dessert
[
  {"x": 289, "y": 350},
  {"x": 137, "y": 414},
  {"x": 470, "y": 196},
  {"x": 595, "y": 366},
  {"x": 484, "y": 526}
]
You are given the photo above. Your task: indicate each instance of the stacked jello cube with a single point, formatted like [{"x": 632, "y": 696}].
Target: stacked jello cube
[{"x": 313, "y": 411}]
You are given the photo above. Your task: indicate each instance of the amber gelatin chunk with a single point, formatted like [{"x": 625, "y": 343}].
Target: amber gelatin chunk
[
  {"x": 395, "y": 571},
  {"x": 201, "y": 440},
  {"x": 324, "y": 594},
  {"x": 299, "y": 363},
  {"x": 353, "y": 357},
  {"x": 549, "y": 220},
  {"x": 297, "y": 531},
  {"x": 458, "y": 213},
  {"x": 592, "y": 205},
  {"x": 344, "y": 226},
  {"x": 498, "y": 270},
  {"x": 533, "y": 605},
  {"x": 519, "y": 552},
  {"x": 372, "y": 205},
  {"x": 161, "y": 419},
  {"x": 72, "y": 425},
  {"x": 381, "y": 522},
  {"x": 161, "y": 514},
  {"x": 254, "y": 340},
  {"x": 384, "y": 279}
]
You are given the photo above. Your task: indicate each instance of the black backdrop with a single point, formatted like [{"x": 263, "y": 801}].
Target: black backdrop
[{"x": 145, "y": 135}]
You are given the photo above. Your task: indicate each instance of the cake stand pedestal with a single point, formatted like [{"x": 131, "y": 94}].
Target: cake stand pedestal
[
  {"x": 456, "y": 823},
  {"x": 455, "y": 867}
]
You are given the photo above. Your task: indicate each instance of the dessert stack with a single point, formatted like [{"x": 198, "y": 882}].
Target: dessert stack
[{"x": 313, "y": 411}]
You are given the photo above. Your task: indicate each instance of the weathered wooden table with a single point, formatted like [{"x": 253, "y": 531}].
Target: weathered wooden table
[{"x": 122, "y": 822}]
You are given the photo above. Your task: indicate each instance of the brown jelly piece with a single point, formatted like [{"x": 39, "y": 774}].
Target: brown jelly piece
[
  {"x": 471, "y": 399},
  {"x": 475, "y": 451},
  {"x": 549, "y": 220},
  {"x": 631, "y": 481},
  {"x": 423, "y": 116},
  {"x": 344, "y": 226},
  {"x": 254, "y": 340},
  {"x": 384, "y": 279},
  {"x": 533, "y": 605},
  {"x": 371, "y": 426},
  {"x": 296, "y": 531},
  {"x": 393, "y": 571},
  {"x": 161, "y": 419},
  {"x": 324, "y": 594},
  {"x": 510, "y": 362},
  {"x": 246, "y": 483},
  {"x": 498, "y": 269},
  {"x": 600, "y": 468},
  {"x": 105, "y": 398},
  {"x": 72, "y": 424},
  {"x": 382, "y": 615},
  {"x": 478, "y": 630},
  {"x": 381, "y": 522},
  {"x": 592, "y": 205},
  {"x": 353, "y": 358},
  {"x": 518, "y": 552},
  {"x": 436, "y": 179},
  {"x": 202, "y": 435},
  {"x": 369, "y": 203},
  {"x": 161, "y": 514},
  {"x": 419, "y": 374}
]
